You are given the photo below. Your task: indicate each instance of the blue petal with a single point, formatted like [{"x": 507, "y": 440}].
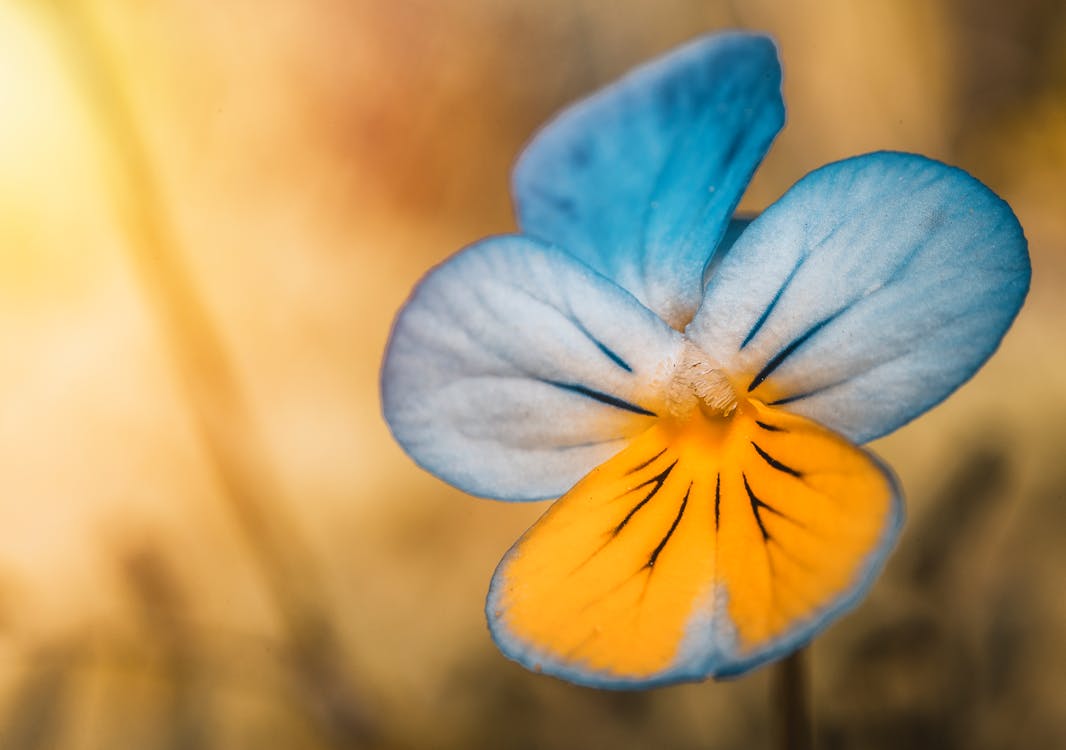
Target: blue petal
[
  {"x": 513, "y": 370},
  {"x": 640, "y": 179},
  {"x": 868, "y": 293}
]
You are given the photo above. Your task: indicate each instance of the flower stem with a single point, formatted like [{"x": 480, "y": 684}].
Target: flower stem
[{"x": 792, "y": 703}]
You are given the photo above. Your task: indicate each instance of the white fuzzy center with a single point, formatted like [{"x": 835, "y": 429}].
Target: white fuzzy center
[{"x": 699, "y": 379}]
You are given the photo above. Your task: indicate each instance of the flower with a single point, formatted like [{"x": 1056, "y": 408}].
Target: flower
[{"x": 695, "y": 387}]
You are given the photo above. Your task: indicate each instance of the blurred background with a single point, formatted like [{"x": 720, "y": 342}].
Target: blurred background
[{"x": 210, "y": 212}]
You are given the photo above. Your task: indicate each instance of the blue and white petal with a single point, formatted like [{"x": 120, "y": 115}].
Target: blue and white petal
[
  {"x": 640, "y": 179},
  {"x": 868, "y": 293},
  {"x": 514, "y": 369}
]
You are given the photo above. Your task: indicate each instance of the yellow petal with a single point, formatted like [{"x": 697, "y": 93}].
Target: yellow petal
[{"x": 704, "y": 548}]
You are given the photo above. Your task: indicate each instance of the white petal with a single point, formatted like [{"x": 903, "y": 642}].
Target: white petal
[{"x": 514, "y": 369}]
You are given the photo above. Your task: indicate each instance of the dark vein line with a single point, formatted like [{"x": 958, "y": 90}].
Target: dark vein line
[
  {"x": 673, "y": 528},
  {"x": 813, "y": 391},
  {"x": 658, "y": 481},
  {"x": 770, "y": 427},
  {"x": 605, "y": 398},
  {"x": 852, "y": 375},
  {"x": 771, "y": 572},
  {"x": 611, "y": 354},
  {"x": 792, "y": 399},
  {"x": 551, "y": 308},
  {"x": 645, "y": 464},
  {"x": 773, "y": 303},
  {"x": 756, "y": 503},
  {"x": 717, "y": 500},
  {"x": 900, "y": 270},
  {"x": 774, "y": 462},
  {"x": 785, "y": 353}
]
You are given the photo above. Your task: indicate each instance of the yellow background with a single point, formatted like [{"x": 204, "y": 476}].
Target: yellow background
[{"x": 209, "y": 213}]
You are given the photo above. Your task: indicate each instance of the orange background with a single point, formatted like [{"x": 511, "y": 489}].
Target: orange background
[{"x": 209, "y": 213}]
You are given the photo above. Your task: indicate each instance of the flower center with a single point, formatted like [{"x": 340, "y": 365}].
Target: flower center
[{"x": 698, "y": 381}]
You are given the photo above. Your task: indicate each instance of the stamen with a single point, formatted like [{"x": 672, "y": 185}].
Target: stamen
[{"x": 696, "y": 379}]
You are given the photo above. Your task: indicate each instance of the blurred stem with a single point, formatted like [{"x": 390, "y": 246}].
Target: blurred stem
[
  {"x": 217, "y": 405},
  {"x": 792, "y": 702}
]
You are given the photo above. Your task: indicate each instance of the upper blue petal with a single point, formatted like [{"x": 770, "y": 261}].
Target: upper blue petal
[
  {"x": 640, "y": 179},
  {"x": 868, "y": 293},
  {"x": 513, "y": 370}
]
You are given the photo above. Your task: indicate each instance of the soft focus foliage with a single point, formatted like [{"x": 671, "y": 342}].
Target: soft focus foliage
[{"x": 209, "y": 213}]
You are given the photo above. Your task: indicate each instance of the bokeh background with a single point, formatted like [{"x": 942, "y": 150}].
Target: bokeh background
[{"x": 209, "y": 213}]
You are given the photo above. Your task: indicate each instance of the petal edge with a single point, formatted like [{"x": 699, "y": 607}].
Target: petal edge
[
  {"x": 883, "y": 283},
  {"x": 513, "y": 369},
  {"x": 640, "y": 179}
]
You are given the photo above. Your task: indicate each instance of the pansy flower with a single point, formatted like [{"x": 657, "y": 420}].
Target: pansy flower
[{"x": 695, "y": 387}]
